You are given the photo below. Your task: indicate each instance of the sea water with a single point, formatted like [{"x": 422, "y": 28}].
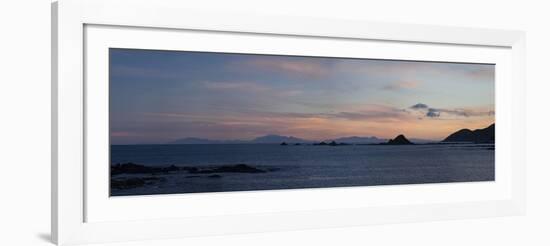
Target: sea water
[{"x": 307, "y": 166}]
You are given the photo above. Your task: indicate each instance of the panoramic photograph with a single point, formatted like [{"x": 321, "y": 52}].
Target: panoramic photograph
[{"x": 193, "y": 122}]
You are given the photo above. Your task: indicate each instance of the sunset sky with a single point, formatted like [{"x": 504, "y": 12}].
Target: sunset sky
[{"x": 160, "y": 96}]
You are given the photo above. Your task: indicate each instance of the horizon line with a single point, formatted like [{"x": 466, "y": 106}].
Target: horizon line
[
  {"x": 291, "y": 136},
  {"x": 250, "y": 141}
]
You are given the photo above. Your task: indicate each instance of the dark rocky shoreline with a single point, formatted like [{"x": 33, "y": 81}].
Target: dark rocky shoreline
[{"x": 151, "y": 172}]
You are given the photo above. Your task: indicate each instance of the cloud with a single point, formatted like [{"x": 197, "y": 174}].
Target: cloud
[
  {"x": 250, "y": 87},
  {"x": 483, "y": 73},
  {"x": 235, "y": 86},
  {"x": 467, "y": 112},
  {"x": 375, "y": 115},
  {"x": 428, "y": 72},
  {"x": 248, "y": 123},
  {"x": 367, "y": 112},
  {"x": 294, "y": 66},
  {"x": 433, "y": 113},
  {"x": 290, "y": 93},
  {"x": 438, "y": 112},
  {"x": 419, "y": 106},
  {"x": 370, "y": 112},
  {"x": 401, "y": 85}
]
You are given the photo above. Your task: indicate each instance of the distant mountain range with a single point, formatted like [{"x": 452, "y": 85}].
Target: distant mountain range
[
  {"x": 358, "y": 140},
  {"x": 267, "y": 139},
  {"x": 279, "y": 139},
  {"x": 203, "y": 141},
  {"x": 486, "y": 135}
]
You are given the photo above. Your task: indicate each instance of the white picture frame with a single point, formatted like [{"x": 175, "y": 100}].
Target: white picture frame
[{"x": 81, "y": 213}]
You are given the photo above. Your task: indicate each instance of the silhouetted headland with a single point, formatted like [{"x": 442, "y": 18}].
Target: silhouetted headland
[{"x": 485, "y": 135}]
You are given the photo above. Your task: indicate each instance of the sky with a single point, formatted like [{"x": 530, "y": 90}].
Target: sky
[{"x": 161, "y": 96}]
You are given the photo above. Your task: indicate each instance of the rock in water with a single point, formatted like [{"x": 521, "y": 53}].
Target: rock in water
[
  {"x": 238, "y": 168},
  {"x": 399, "y": 140},
  {"x": 132, "y": 168},
  {"x": 130, "y": 183},
  {"x": 127, "y": 183}
]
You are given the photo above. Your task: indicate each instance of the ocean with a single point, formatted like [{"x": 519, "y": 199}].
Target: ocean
[{"x": 301, "y": 166}]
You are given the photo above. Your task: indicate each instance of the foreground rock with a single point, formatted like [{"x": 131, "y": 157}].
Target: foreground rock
[
  {"x": 399, "y": 140},
  {"x": 238, "y": 168},
  {"x": 132, "y": 168},
  {"x": 130, "y": 183}
]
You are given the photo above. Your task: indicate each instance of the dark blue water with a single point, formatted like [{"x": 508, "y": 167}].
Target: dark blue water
[{"x": 308, "y": 166}]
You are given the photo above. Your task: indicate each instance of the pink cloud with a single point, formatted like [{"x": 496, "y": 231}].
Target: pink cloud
[
  {"x": 235, "y": 86},
  {"x": 401, "y": 85},
  {"x": 302, "y": 68},
  {"x": 249, "y": 87}
]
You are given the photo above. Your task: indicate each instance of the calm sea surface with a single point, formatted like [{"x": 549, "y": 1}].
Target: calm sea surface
[{"x": 307, "y": 166}]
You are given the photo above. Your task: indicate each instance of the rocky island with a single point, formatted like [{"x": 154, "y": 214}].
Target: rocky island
[{"x": 399, "y": 140}]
